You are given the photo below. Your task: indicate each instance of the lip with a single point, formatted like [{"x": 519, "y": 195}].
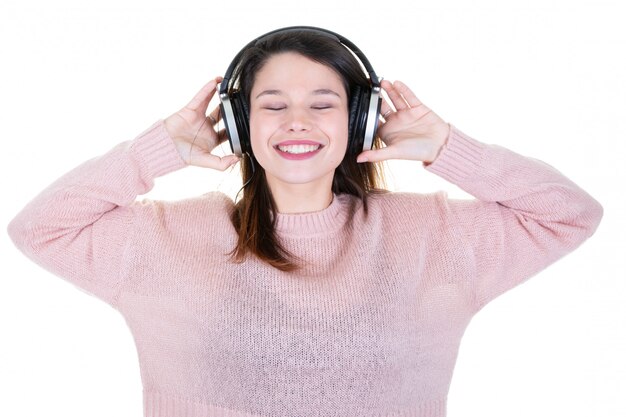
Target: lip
[
  {"x": 298, "y": 156},
  {"x": 297, "y": 142}
]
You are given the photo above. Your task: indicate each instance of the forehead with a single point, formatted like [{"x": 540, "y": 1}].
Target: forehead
[{"x": 289, "y": 70}]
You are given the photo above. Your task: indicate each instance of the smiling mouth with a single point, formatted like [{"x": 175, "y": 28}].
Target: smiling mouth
[{"x": 298, "y": 149}]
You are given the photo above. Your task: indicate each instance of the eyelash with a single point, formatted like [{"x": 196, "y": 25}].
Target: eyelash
[{"x": 322, "y": 107}]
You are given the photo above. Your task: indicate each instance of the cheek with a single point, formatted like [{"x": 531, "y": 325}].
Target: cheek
[
  {"x": 340, "y": 131},
  {"x": 260, "y": 131}
]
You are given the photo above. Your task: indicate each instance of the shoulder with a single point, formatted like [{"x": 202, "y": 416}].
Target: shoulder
[
  {"x": 213, "y": 208},
  {"x": 404, "y": 201},
  {"x": 431, "y": 210},
  {"x": 213, "y": 199}
]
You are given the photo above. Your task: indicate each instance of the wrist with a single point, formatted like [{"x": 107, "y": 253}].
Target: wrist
[{"x": 440, "y": 140}]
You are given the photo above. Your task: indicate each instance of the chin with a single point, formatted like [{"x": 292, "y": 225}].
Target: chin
[{"x": 299, "y": 178}]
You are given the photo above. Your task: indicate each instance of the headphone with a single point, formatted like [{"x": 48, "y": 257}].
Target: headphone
[{"x": 363, "y": 111}]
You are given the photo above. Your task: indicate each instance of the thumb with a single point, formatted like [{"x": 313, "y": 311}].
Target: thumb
[
  {"x": 376, "y": 155},
  {"x": 214, "y": 161}
]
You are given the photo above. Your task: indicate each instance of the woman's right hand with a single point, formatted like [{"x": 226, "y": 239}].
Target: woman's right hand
[{"x": 191, "y": 122}]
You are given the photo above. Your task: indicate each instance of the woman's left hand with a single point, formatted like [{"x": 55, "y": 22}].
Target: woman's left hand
[{"x": 411, "y": 131}]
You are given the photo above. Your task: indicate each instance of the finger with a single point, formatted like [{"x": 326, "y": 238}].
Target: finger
[
  {"x": 202, "y": 98},
  {"x": 396, "y": 98},
  {"x": 215, "y": 115},
  {"x": 407, "y": 94},
  {"x": 385, "y": 96},
  {"x": 385, "y": 109}
]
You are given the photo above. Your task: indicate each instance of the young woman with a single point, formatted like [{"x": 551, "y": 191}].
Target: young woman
[{"x": 317, "y": 293}]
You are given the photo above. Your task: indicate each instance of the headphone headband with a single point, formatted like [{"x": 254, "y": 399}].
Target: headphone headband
[{"x": 340, "y": 39}]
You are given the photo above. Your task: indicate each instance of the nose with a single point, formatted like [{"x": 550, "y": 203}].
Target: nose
[{"x": 297, "y": 120}]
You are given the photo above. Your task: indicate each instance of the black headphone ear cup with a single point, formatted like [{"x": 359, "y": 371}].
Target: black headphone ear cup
[
  {"x": 359, "y": 106},
  {"x": 352, "y": 110},
  {"x": 242, "y": 118},
  {"x": 353, "y": 116}
]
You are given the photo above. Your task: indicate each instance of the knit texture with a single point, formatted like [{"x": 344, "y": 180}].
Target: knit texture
[{"x": 371, "y": 324}]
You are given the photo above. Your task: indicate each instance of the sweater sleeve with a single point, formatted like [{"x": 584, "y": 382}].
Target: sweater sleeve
[
  {"x": 80, "y": 226},
  {"x": 526, "y": 216}
]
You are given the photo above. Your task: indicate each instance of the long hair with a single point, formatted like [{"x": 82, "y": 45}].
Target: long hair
[{"x": 255, "y": 213}]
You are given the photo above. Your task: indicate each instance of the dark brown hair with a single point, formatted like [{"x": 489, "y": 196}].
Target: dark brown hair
[{"x": 255, "y": 214}]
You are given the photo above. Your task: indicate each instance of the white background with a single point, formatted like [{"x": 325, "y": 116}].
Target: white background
[{"x": 543, "y": 78}]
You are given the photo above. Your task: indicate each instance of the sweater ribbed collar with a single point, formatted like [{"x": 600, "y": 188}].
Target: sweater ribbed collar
[{"x": 312, "y": 223}]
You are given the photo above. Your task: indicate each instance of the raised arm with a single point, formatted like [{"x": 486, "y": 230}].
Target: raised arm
[
  {"x": 526, "y": 214},
  {"x": 80, "y": 227}
]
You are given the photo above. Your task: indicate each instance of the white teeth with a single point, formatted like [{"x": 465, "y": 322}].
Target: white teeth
[{"x": 298, "y": 148}]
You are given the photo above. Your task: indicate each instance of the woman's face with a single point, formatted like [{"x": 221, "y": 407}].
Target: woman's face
[{"x": 298, "y": 121}]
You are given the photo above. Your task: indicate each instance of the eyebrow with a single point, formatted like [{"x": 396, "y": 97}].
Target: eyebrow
[{"x": 319, "y": 91}]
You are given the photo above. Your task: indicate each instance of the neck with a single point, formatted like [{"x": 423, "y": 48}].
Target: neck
[{"x": 301, "y": 198}]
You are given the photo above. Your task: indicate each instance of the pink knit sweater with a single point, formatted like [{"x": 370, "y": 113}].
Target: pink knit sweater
[{"x": 372, "y": 324}]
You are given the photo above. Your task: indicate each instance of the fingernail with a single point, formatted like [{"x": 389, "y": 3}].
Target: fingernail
[{"x": 361, "y": 159}]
